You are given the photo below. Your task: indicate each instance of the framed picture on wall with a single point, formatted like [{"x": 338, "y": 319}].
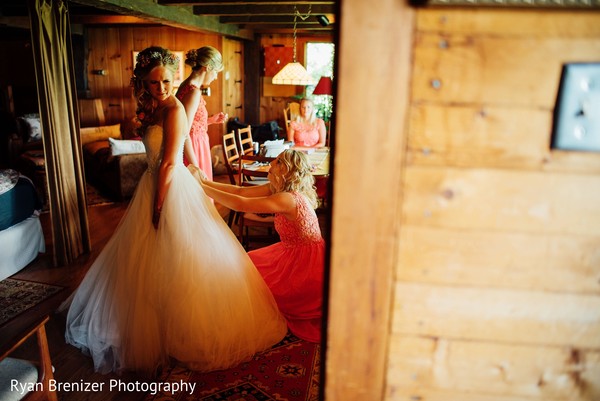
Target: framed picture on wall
[{"x": 179, "y": 74}]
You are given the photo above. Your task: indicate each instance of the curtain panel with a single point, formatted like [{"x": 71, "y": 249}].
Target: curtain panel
[{"x": 52, "y": 53}]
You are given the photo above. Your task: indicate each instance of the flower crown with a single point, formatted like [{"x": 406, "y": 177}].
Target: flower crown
[{"x": 144, "y": 60}]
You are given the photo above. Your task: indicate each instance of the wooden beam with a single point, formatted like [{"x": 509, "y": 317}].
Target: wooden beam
[
  {"x": 271, "y": 19},
  {"x": 108, "y": 20},
  {"x": 262, "y": 9},
  {"x": 179, "y": 17},
  {"x": 239, "y": 2},
  {"x": 366, "y": 209}
]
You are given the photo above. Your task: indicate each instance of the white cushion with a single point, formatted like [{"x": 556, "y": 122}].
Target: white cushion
[
  {"x": 126, "y": 146},
  {"x": 24, "y": 372},
  {"x": 33, "y": 127}
]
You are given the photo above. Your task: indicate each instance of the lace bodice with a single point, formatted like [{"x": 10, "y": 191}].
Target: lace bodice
[
  {"x": 153, "y": 141},
  {"x": 200, "y": 123},
  {"x": 306, "y": 134},
  {"x": 305, "y": 229}
]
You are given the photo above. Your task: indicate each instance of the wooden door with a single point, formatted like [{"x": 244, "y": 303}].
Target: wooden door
[{"x": 233, "y": 78}]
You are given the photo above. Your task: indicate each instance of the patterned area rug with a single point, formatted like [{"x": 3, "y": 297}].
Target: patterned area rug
[
  {"x": 289, "y": 371},
  {"x": 16, "y": 296}
]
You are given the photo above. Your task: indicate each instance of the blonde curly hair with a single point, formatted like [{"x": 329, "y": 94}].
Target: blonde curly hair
[
  {"x": 297, "y": 176},
  {"x": 147, "y": 60}
]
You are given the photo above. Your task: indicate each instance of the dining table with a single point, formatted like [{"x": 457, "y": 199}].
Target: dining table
[
  {"x": 256, "y": 166},
  {"x": 318, "y": 159}
]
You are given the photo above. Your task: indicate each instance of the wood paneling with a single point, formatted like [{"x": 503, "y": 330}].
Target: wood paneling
[
  {"x": 483, "y": 371},
  {"x": 111, "y": 49},
  {"x": 504, "y": 200},
  {"x": 497, "y": 315},
  {"x": 500, "y": 259},
  {"x": 497, "y": 291},
  {"x": 501, "y": 70},
  {"x": 487, "y": 136},
  {"x": 233, "y": 78}
]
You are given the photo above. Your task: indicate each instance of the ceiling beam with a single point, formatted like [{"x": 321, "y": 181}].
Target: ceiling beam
[
  {"x": 179, "y": 17},
  {"x": 240, "y": 2},
  {"x": 262, "y": 9},
  {"x": 107, "y": 20},
  {"x": 287, "y": 28},
  {"x": 271, "y": 19}
]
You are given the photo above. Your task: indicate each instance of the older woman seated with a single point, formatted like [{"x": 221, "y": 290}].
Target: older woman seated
[{"x": 306, "y": 129}]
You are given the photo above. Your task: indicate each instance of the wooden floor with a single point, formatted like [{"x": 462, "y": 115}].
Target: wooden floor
[{"x": 70, "y": 364}]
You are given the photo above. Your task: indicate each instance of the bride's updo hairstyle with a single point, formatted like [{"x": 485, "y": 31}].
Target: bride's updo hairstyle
[
  {"x": 297, "y": 176},
  {"x": 206, "y": 56},
  {"x": 145, "y": 61}
]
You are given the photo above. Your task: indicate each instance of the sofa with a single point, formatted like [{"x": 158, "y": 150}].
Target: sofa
[{"x": 114, "y": 159}]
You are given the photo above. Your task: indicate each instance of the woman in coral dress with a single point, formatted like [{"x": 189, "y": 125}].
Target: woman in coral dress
[
  {"x": 293, "y": 268},
  {"x": 173, "y": 282},
  {"x": 206, "y": 62},
  {"x": 307, "y": 130}
]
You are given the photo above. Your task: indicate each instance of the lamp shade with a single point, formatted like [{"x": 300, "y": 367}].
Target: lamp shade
[
  {"x": 323, "y": 87},
  {"x": 293, "y": 74}
]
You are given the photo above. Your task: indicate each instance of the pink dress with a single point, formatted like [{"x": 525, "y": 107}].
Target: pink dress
[
  {"x": 293, "y": 270},
  {"x": 199, "y": 133},
  {"x": 306, "y": 134}
]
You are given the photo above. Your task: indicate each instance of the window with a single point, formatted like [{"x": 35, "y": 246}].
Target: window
[{"x": 319, "y": 63}]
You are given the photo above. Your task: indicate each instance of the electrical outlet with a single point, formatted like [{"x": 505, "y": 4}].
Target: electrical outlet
[{"x": 577, "y": 109}]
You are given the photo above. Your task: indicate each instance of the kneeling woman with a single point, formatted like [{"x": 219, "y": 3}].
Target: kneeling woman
[{"x": 292, "y": 268}]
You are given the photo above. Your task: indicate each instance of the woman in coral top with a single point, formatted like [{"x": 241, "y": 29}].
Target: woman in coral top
[
  {"x": 206, "y": 62},
  {"x": 306, "y": 129},
  {"x": 293, "y": 268}
]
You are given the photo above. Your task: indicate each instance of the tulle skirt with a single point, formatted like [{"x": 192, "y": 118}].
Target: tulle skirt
[{"x": 186, "y": 290}]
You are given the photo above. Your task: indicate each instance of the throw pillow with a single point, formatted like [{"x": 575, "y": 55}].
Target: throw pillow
[
  {"x": 125, "y": 146},
  {"x": 91, "y": 134},
  {"x": 32, "y": 128}
]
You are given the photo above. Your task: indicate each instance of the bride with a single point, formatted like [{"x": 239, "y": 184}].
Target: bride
[{"x": 173, "y": 281}]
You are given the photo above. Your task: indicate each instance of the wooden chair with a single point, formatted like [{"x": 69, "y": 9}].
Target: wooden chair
[
  {"x": 231, "y": 156},
  {"x": 290, "y": 112},
  {"x": 252, "y": 176},
  {"x": 248, "y": 222},
  {"x": 37, "y": 374},
  {"x": 244, "y": 141}
]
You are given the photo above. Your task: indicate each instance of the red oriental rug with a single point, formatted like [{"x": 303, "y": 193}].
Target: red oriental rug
[{"x": 289, "y": 371}]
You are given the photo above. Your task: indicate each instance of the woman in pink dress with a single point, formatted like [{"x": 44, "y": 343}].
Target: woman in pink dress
[
  {"x": 306, "y": 129},
  {"x": 206, "y": 62},
  {"x": 292, "y": 268}
]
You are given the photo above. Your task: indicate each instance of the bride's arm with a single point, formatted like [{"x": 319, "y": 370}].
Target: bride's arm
[{"x": 174, "y": 129}]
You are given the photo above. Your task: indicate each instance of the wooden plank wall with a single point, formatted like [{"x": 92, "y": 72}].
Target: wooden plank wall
[
  {"x": 233, "y": 78},
  {"x": 110, "y": 48},
  {"x": 497, "y": 287}
]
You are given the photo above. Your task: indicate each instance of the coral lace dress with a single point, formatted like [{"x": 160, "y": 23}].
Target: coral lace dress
[
  {"x": 199, "y": 133},
  {"x": 306, "y": 134},
  {"x": 293, "y": 270}
]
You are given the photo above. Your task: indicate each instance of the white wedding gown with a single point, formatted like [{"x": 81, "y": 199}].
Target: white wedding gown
[{"x": 186, "y": 290}]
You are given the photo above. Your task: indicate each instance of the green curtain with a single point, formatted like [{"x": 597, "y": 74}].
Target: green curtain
[{"x": 52, "y": 52}]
